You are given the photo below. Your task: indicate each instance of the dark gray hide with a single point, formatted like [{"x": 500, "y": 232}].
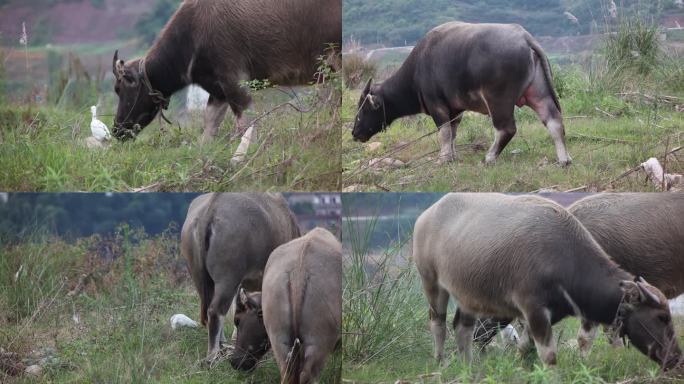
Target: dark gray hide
[
  {"x": 457, "y": 67},
  {"x": 526, "y": 257},
  {"x": 227, "y": 239},
  {"x": 641, "y": 232},
  {"x": 216, "y": 44}
]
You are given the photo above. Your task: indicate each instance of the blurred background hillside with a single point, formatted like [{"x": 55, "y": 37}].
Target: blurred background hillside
[
  {"x": 403, "y": 22},
  {"x": 70, "y": 44},
  {"x": 75, "y": 215}
]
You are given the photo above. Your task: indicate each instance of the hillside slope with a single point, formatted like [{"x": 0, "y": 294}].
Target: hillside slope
[
  {"x": 69, "y": 21},
  {"x": 402, "y": 22}
]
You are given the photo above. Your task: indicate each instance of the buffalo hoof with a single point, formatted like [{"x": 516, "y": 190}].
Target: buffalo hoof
[
  {"x": 445, "y": 159},
  {"x": 489, "y": 160},
  {"x": 565, "y": 163},
  {"x": 205, "y": 139}
]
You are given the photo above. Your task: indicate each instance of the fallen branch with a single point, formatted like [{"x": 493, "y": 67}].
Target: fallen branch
[
  {"x": 601, "y": 138},
  {"x": 639, "y": 167},
  {"x": 582, "y": 188},
  {"x": 148, "y": 188},
  {"x": 604, "y": 112}
]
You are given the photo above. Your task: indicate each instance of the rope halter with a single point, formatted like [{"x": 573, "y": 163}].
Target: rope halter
[{"x": 157, "y": 97}]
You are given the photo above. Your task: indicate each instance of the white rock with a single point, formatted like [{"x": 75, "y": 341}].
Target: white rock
[
  {"x": 34, "y": 370},
  {"x": 93, "y": 143},
  {"x": 386, "y": 162},
  {"x": 180, "y": 320},
  {"x": 374, "y": 146},
  {"x": 510, "y": 336},
  {"x": 677, "y": 306}
]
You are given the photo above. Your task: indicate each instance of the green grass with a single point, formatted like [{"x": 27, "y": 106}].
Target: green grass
[
  {"x": 387, "y": 336},
  {"x": 123, "y": 334},
  {"x": 42, "y": 149},
  {"x": 602, "y": 148}
]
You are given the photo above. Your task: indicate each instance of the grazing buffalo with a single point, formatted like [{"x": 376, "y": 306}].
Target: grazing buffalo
[
  {"x": 643, "y": 233},
  {"x": 299, "y": 310},
  {"x": 216, "y": 44},
  {"x": 527, "y": 257},
  {"x": 457, "y": 67},
  {"x": 227, "y": 239}
]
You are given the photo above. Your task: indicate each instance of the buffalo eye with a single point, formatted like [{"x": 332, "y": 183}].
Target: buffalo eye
[
  {"x": 665, "y": 318},
  {"x": 117, "y": 89}
]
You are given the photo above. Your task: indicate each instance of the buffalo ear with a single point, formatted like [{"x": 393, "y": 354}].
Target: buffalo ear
[
  {"x": 118, "y": 66},
  {"x": 250, "y": 300},
  {"x": 645, "y": 294},
  {"x": 114, "y": 61},
  {"x": 631, "y": 291},
  {"x": 374, "y": 101},
  {"x": 241, "y": 302},
  {"x": 367, "y": 88}
]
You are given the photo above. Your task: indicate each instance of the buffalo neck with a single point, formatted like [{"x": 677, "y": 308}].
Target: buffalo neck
[
  {"x": 596, "y": 289},
  {"x": 399, "y": 96},
  {"x": 167, "y": 62}
]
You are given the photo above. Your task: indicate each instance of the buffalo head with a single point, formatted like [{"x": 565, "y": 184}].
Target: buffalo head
[
  {"x": 251, "y": 343},
  {"x": 371, "y": 116},
  {"x": 137, "y": 108},
  {"x": 646, "y": 320}
]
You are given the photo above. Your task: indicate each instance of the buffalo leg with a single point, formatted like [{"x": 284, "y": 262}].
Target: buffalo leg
[
  {"x": 539, "y": 327},
  {"x": 504, "y": 122},
  {"x": 464, "y": 326},
  {"x": 213, "y": 117},
  {"x": 538, "y": 97},
  {"x": 281, "y": 350},
  {"x": 314, "y": 359},
  {"x": 220, "y": 303},
  {"x": 585, "y": 336},
  {"x": 487, "y": 329},
  {"x": 447, "y": 133},
  {"x": 438, "y": 298}
]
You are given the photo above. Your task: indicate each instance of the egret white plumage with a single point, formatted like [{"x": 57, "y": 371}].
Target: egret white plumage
[{"x": 98, "y": 128}]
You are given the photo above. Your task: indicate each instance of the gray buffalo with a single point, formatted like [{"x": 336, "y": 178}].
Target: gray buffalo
[
  {"x": 643, "y": 233},
  {"x": 527, "y": 257},
  {"x": 226, "y": 240},
  {"x": 216, "y": 44},
  {"x": 457, "y": 67},
  {"x": 299, "y": 311}
]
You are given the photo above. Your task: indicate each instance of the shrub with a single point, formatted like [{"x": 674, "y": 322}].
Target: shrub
[
  {"x": 356, "y": 70},
  {"x": 634, "y": 48}
]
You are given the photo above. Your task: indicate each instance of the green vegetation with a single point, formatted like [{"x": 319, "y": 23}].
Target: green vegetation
[
  {"x": 387, "y": 335},
  {"x": 107, "y": 320},
  {"x": 43, "y": 149},
  {"x": 77, "y": 215},
  {"x": 403, "y": 22},
  {"x": 150, "y": 24}
]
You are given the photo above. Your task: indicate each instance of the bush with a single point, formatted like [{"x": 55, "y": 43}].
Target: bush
[
  {"x": 356, "y": 70},
  {"x": 634, "y": 48}
]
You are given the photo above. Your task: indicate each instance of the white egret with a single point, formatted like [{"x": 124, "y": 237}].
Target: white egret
[{"x": 98, "y": 128}]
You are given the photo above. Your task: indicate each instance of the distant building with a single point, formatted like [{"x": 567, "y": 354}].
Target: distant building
[{"x": 317, "y": 210}]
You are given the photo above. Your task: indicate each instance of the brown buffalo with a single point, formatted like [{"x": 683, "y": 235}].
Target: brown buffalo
[
  {"x": 526, "y": 257},
  {"x": 216, "y": 44},
  {"x": 643, "y": 233},
  {"x": 299, "y": 309},
  {"x": 226, "y": 240}
]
